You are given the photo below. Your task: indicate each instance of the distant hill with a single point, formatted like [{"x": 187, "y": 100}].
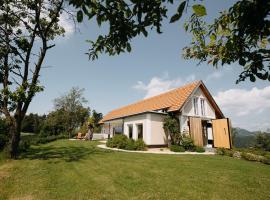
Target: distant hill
[
  {"x": 244, "y": 138},
  {"x": 243, "y": 132}
]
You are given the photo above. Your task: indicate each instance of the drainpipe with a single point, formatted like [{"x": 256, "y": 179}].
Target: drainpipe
[
  {"x": 123, "y": 126},
  {"x": 109, "y": 135}
]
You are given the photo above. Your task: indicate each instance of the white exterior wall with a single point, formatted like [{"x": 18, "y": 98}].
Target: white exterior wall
[
  {"x": 158, "y": 136},
  {"x": 153, "y": 133},
  {"x": 188, "y": 110},
  {"x": 133, "y": 121}
]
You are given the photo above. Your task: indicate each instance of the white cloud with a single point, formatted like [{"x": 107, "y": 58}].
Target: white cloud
[
  {"x": 243, "y": 102},
  {"x": 158, "y": 85}
]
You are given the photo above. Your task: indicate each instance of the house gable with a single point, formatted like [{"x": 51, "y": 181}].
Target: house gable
[{"x": 171, "y": 101}]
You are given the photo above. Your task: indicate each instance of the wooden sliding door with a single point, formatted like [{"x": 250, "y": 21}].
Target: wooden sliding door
[
  {"x": 221, "y": 133},
  {"x": 196, "y": 130}
]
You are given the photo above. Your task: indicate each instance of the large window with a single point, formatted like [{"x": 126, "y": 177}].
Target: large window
[
  {"x": 130, "y": 131},
  {"x": 140, "y": 131},
  {"x": 195, "y": 105},
  {"x": 203, "y": 107}
]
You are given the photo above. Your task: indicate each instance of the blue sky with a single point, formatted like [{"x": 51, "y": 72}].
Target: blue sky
[{"x": 154, "y": 65}]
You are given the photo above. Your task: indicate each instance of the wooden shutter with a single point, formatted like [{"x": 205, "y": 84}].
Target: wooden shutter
[
  {"x": 221, "y": 133},
  {"x": 196, "y": 130}
]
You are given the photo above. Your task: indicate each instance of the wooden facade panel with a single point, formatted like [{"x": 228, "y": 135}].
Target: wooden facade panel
[
  {"x": 221, "y": 133},
  {"x": 196, "y": 130}
]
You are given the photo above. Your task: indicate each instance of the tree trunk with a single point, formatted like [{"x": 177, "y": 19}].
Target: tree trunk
[{"x": 15, "y": 134}]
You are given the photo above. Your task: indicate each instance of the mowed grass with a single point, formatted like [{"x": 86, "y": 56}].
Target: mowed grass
[{"x": 79, "y": 170}]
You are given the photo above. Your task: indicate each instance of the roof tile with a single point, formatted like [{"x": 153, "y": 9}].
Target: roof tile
[{"x": 171, "y": 100}]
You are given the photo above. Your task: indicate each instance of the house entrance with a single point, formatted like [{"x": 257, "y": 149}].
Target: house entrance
[{"x": 210, "y": 133}]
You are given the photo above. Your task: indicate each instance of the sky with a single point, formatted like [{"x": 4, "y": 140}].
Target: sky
[{"x": 155, "y": 65}]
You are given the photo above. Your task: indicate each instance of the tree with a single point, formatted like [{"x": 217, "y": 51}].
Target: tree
[
  {"x": 72, "y": 107},
  {"x": 3, "y": 133},
  {"x": 171, "y": 128},
  {"x": 263, "y": 141},
  {"x": 239, "y": 35},
  {"x": 32, "y": 123},
  {"x": 26, "y": 31},
  {"x": 94, "y": 120}
]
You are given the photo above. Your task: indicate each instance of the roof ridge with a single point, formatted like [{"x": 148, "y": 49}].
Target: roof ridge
[{"x": 164, "y": 93}]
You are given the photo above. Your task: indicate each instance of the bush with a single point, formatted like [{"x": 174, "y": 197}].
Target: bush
[
  {"x": 220, "y": 151},
  {"x": 199, "y": 149},
  {"x": 4, "y": 128},
  {"x": 177, "y": 148},
  {"x": 187, "y": 143},
  {"x": 140, "y": 145},
  {"x": 24, "y": 146},
  {"x": 122, "y": 142},
  {"x": 118, "y": 141},
  {"x": 251, "y": 157},
  {"x": 130, "y": 145},
  {"x": 3, "y": 141}
]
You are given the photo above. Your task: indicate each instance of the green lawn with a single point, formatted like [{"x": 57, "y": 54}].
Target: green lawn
[{"x": 79, "y": 170}]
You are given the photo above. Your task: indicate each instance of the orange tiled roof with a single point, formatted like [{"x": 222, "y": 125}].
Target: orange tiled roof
[{"x": 171, "y": 100}]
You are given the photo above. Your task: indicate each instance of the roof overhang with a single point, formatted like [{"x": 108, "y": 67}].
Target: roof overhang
[{"x": 142, "y": 113}]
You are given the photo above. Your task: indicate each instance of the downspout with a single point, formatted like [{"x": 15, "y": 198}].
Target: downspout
[{"x": 123, "y": 126}]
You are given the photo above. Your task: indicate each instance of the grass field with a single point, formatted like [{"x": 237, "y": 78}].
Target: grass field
[{"x": 79, "y": 170}]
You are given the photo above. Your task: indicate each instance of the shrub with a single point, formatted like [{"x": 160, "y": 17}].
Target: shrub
[
  {"x": 220, "y": 151},
  {"x": 118, "y": 141},
  {"x": 24, "y": 145},
  {"x": 130, "y": 145},
  {"x": 140, "y": 145},
  {"x": 109, "y": 143},
  {"x": 3, "y": 141},
  {"x": 225, "y": 152},
  {"x": 252, "y": 157},
  {"x": 4, "y": 128},
  {"x": 187, "y": 143},
  {"x": 122, "y": 142},
  {"x": 199, "y": 149},
  {"x": 177, "y": 148}
]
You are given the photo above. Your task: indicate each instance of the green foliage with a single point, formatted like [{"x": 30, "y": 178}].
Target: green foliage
[
  {"x": 177, "y": 148},
  {"x": 130, "y": 145},
  {"x": 220, "y": 151},
  {"x": 172, "y": 128},
  {"x": 254, "y": 157},
  {"x": 123, "y": 142},
  {"x": 140, "y": 145},
  {"x": 70, "y": 113},
  {"x": 126, "y": 19},
  {"x": 225, "y": 152},
  {"x": 239, "y": 35},
  {"x": 118, "y": 141},
  {"x": 32, "y": 123},
  {"x": 187, "y": 143},
  {"x": 199, "y": 149},
  {"x": 24, "y": 145},
  {"x": 22, "y": 24},
  {"x": 4, "y": 129},
  {"x": 263, "y": 141},
  {"x": 179, "y": 13},
  {"x": 199, "y": 10},
  {"x": 249, "y": 154}
]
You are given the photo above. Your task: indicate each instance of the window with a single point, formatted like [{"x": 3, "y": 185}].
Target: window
[
  {"x": 130, "y": 131},
  {"x": 203, "y": 107},
  {"x": 140, "y": 131},
  {"x": 195, "y": 105}
]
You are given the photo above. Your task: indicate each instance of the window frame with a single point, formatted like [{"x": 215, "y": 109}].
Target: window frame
[
  {"x": 195, "y": 105},
  {"x": 203, "y": 111}
]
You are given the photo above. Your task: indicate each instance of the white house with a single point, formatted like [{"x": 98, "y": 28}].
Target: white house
[{"x": 198, "y": 114}]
